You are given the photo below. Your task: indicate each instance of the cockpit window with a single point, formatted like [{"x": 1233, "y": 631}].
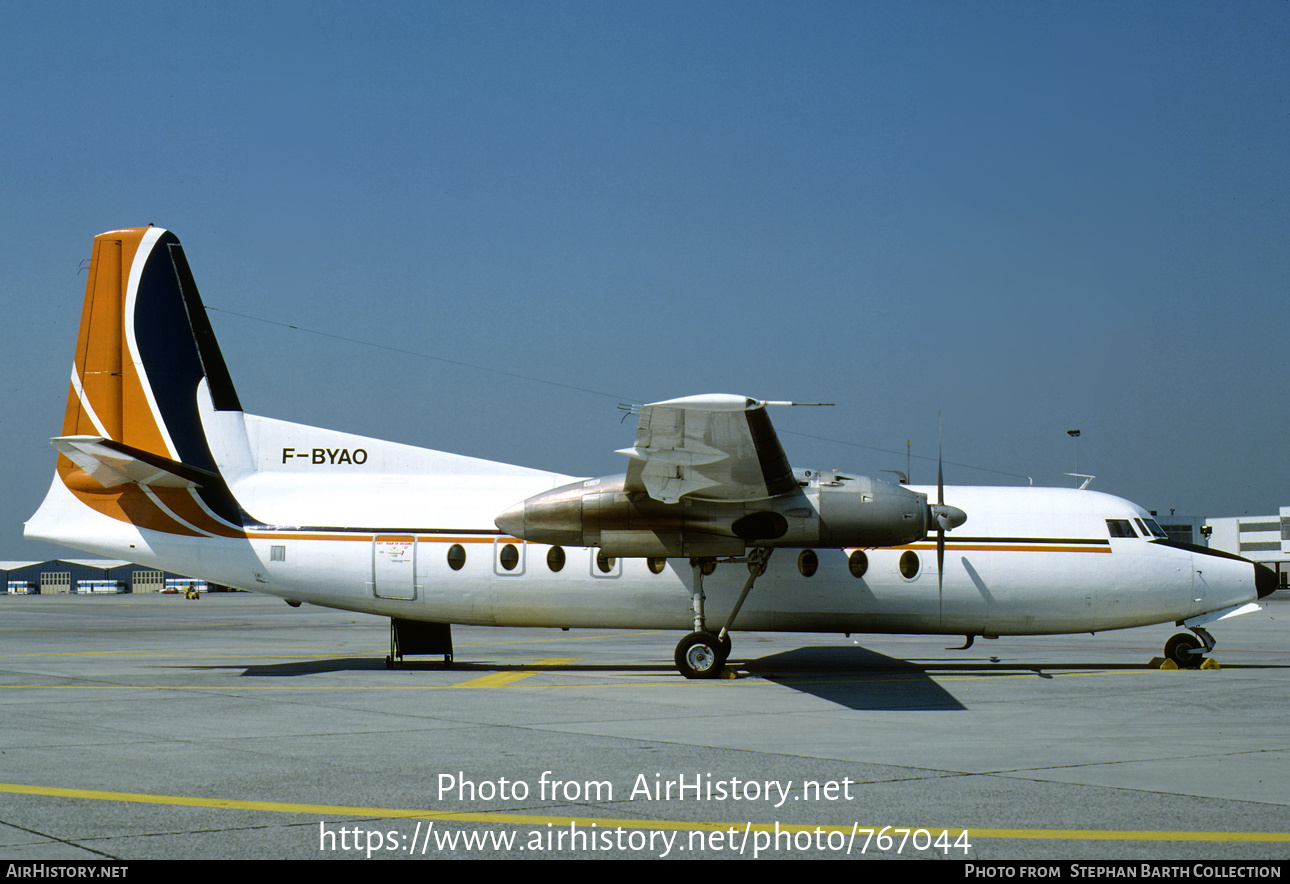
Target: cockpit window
[
  {"x": 1120, "y": 528},
  {"x": 1155, "y": 530}
]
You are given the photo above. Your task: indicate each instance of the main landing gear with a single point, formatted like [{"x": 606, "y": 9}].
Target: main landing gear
[
  {"x": 1186, "y": 651},
  {"x": 702, "y": 654}
]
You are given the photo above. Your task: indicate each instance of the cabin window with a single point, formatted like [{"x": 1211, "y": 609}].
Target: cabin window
[
  {"x": 858, "y": 562},
  {"x": 555, "y": 558},
  {"x": 456, "y": 557},
  {"x": 1120, "y": 528},
  {"x": 603, "y": 562},
  {"x": 656, "y": 564},
  {"x": 909, "y": 564},
  {"x": 808, "y": 562},
  {"x": 509, "y": 557}
]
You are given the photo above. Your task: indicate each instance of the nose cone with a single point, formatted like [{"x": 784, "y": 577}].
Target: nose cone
[
  {"x": 512, "y": 521},
  {"x": 1265, "y": 580}
]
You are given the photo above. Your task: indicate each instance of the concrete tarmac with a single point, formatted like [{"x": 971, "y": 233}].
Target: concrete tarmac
[{"x": 233, "y": 726}]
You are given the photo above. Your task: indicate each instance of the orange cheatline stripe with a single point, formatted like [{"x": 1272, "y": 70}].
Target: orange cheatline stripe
[
  {"x": 368, "y": 537},
  {"x": 973, "y": 547}
]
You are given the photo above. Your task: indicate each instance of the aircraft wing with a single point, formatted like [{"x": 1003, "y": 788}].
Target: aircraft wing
[{"x": 713, "y": 447}]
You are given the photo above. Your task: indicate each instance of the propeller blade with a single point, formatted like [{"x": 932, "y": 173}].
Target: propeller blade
[
  {"x": 940, "y": 452},
  {"x": 941, "y": 516},
  {"x": 940, "y": 559}
]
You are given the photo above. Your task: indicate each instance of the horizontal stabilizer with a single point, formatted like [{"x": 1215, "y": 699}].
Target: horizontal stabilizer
[{"x": 112, "y": 464}]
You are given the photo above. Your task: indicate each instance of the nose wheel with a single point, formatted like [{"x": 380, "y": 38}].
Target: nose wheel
[{"x": 1188, "y": 651}]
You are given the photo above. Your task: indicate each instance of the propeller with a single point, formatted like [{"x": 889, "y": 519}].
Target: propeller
[
  {"x": 942, "y": 517},
  {"x": 946, "y": 518}
]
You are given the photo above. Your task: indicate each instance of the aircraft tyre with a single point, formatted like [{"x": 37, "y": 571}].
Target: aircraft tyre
[
  {"x": 726, "y": 645},
  {"x": 701, "y": 655},
  {"x": 1183, "y": 650}
]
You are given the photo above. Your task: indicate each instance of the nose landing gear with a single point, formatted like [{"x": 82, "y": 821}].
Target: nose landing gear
[{"x": 1186, "y": 650}]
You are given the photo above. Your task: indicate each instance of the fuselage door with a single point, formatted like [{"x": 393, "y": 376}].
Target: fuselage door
[{"x": 394, "y": 566}]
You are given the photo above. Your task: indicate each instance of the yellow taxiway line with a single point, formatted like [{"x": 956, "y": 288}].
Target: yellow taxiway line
[{"x": 635, "y": 823}]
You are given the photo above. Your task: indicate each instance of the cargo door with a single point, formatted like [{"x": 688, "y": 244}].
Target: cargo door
[{"x": 394, "y": 566}]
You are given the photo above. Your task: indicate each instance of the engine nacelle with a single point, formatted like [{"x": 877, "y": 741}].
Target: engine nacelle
[{"x": 829, "y": 510}]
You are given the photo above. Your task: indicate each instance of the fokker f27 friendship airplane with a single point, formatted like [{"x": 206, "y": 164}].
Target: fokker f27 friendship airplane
[{"x": 159, "y": 465}]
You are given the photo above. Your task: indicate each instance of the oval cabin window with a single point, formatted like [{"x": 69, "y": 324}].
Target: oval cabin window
[
  {"x": 555, "y": 558},
  {"x": 808, "y": 562},
  {"x": 603, "y": 562}
]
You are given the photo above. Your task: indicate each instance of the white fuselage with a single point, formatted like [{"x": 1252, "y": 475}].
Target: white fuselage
[{"x": 385, "y": 536}]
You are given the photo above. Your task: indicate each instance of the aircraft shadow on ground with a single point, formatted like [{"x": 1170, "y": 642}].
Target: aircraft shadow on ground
[
  {"x": 317, "y": 666},
  {"x": 856, "y": 678},
  {"x": 853, "y": 677},
  {"x": 428, "y": 663}
]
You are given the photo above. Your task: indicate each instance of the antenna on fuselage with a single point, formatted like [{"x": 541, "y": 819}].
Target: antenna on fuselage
[{"x": 1085, "y": 476}]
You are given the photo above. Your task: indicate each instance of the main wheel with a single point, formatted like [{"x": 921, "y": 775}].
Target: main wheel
[
  {"x": 1182, "y": 649},
  {"x": 700, "y": 655}
]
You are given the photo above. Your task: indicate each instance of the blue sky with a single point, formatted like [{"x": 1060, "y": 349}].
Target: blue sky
[{"x": 1028, "y": 217}]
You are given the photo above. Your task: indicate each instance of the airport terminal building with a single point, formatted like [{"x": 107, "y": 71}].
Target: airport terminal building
[{"x": 1264, "y": 539}]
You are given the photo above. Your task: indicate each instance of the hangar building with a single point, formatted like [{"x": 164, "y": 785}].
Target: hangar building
[{"x": 85, "y": 576}]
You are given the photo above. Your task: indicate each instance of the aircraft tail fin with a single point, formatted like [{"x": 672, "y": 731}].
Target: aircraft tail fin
[
  {"x": 144, "y": 344},
  {"x": 132, "y": 445}
]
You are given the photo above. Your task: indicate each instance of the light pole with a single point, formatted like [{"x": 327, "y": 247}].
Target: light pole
[{"x": 1074, "y": 434}]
